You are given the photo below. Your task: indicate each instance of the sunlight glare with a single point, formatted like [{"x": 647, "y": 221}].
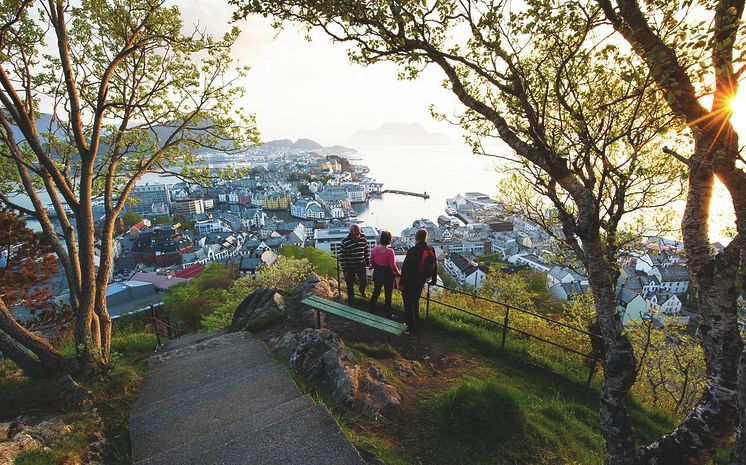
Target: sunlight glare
[{"x": 738, "y": 107}]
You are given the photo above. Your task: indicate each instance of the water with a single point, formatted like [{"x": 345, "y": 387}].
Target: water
[{"x": 441, "y": 171}]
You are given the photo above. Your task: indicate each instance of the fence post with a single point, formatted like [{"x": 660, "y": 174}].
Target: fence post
[
  {"x": 505, "y": 327},
  {"x": 155, "y": 325},
  {"x": 427, "y": 308}
]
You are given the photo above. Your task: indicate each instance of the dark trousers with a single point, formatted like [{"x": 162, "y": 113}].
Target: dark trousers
[
  {"x": 411, "y": 296},
  {"x": 350, "y": 276},
  {"x": 383, "y": 277}
]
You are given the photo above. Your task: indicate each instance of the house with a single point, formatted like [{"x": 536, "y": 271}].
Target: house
[
  {"x": 568, "y": 291},
  {"x": 530, "y": 260},
  {"x": 136, "y": 229},
  {"x": 161, "y": 283},
  {"x": 465, "y": 271},
  {"x": 253, "y": 218},
  {"x": 307, "y": 209},
  {"x": 562, "y": 275},
  {"x": 213, "y": 225},
  {"x": 673, "y": 278}
]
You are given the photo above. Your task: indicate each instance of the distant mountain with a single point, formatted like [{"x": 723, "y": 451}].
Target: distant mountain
[
  {"x": 398, "y": 134},
  {"x": 341, "y": 148},
  {"x": 307, "y": 144},
  {"x": 279, "y": 143}
]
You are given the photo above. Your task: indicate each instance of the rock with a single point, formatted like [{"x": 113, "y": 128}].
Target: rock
[
  {"x": 407, "y": 368},
  {"x": 315, "y": 285},
  {"x": 75, "y": 395},
  {"x": 323, "y": 359},
  {"x": 4, "y": 430},
  {"x": 8, "y": 452},
  {"x": 263, "y": 304}
]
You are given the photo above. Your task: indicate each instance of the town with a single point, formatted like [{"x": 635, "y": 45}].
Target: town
[{"x": 304, "y": 195}]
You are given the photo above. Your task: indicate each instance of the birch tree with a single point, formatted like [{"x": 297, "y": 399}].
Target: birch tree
[
  {"x": 94, "y": 95},
  {"x": 585, "y": 127}
]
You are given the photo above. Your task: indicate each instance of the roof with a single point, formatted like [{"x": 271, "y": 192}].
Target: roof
[
  {"x": 674, "y": 273},
  {"x": 190, "y": 271},
  {"x": 160, "y": 282}
]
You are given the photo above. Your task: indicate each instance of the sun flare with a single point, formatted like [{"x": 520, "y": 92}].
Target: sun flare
[{"x": 738, "y": 107}]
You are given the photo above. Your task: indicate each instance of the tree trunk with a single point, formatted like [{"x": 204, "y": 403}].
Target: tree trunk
[
  {"x": 619, "y": 363},
  {"x": 19, "y": 343},
  {"x": 102, "y": 281},
  {"x": 707, "y": 428},
  {"x": 30, "y": 366}
]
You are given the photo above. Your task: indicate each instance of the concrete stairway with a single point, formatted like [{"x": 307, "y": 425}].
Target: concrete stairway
[{"x": 214, "y": 398}]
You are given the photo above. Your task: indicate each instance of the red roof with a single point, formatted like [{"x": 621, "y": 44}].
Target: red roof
[
  {"x": 140, "y": 226},
  {"x": 159, "y": 281},
  {"x": 190, "y": 271}
]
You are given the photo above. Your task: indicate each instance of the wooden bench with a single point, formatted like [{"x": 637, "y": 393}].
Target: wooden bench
[{"x": 391, "y": 328}]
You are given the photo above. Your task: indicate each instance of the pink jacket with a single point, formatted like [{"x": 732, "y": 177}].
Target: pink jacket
[{"x": 384, "y": 257}]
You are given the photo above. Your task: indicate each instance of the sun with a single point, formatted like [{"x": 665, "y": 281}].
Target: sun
[{"x": 738, "y": 107}]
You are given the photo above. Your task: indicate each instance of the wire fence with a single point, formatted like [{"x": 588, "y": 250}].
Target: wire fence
[{"x": 503, "y": 318}]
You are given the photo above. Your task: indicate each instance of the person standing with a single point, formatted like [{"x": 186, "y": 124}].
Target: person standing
[
  {"x": 420, "y": 266},
  {"x": 385, "y": 271},
  {"x": 353, "y": 257}
]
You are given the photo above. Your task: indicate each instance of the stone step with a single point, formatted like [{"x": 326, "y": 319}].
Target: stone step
[
  {"x": 200, "y": 353},
  {"x": 180, "y": 418},
  {"x": 188, "y": 339},
  {"x": 171, "y": 381},
  {"x": 187, "y": 351},
  {"x": 187, "y": 452},
  {"x": 310, "y": 437}
]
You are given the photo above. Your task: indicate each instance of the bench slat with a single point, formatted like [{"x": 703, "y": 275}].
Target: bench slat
[
  {"x": 354, "y": 311},
  {"x": 358, "y": 316},
  {"x": 358, "y": 319}
]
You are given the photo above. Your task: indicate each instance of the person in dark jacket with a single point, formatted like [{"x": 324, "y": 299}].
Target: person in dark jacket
[
  {"x": 420, "y": 266},
  {"x": 353, "y": 256}
]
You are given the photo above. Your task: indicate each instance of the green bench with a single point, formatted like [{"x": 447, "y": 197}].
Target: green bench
[{"x": 391, "y": 328}]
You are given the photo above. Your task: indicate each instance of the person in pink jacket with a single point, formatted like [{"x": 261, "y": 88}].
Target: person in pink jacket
[{"x": 385, "y": 271}]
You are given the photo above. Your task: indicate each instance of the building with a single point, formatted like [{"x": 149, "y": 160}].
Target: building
[
  {"x": 465, "y": 271},
  {"x": 213, "y": 225},
  {"x": 190, "y": 206},
  {"x": 307, "y": 209},
  {"x": 673, "y": 278},
  {"x": 330, "y": 239},
  {"x": 144, "y": 197}
]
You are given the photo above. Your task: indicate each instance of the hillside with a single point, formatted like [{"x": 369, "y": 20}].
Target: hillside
[{"x": 392, "y": 133}]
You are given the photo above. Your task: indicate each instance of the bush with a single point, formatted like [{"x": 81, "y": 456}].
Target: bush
[
  {"x": 285, "y": 273},
  {"x": 191, "y": 301},
  {"x": 323, "y": 263},
  {"x": 479, "y": 411}
]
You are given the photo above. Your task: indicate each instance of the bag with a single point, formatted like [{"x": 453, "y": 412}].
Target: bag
[{"x": 427, "y": 265}]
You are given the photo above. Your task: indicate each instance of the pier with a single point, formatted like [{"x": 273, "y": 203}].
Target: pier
[{"x": 424, "y": 195}]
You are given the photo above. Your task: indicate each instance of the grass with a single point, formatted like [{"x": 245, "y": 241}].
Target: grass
[{"x": 113, "y": 392}]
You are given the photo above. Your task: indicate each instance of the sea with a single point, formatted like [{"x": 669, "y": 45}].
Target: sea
[{"x": 442, "y": 172}]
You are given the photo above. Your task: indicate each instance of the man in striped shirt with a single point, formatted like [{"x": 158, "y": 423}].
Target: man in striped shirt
[{"x": 353, "y": 255}]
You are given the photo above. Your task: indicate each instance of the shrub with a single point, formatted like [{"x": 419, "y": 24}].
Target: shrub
[
  {"x": 322, "y": 262},
  {"x": 479, "y": 411}
]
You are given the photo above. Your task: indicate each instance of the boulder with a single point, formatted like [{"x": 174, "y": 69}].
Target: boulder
[
  {"x": 316, "y": 285},
  {"x": 75, "y": 396},
  {"x": 264, "y": 304},
  {"x": 321, "y": 357},
  {"x": 28, "y": 432}
]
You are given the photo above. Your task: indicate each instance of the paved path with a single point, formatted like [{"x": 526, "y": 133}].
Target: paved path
[{"x": 215, "y": 398}]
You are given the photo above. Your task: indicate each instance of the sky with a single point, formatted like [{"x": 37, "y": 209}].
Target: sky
[{"x": 300, "y": 89}]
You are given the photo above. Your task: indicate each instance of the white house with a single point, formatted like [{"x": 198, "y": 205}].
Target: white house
[
  {"x": 307, "y": 209},
  {"x": 562, "y": 275},
  {"x": 465, "y": 271},
  {"x": 673, "y": 278}
]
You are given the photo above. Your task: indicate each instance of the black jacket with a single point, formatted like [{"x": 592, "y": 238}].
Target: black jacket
[{"x": 410, "y": 273}]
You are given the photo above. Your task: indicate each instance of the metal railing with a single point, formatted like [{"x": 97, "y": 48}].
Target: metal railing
[
  {"x": 162, "y": 326},
  {"x": 592, "y": 357}
]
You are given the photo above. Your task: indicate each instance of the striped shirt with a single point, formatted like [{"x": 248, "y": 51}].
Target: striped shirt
[{"x": 353, "y": 253}]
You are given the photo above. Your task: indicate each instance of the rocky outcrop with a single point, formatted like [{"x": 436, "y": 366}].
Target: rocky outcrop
[
  {"x": 316, "y": 285},
  {"x": 30, "y": 432},
  {"x": 264, "y": 304},
  {"x": 323, "y": 359}
]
